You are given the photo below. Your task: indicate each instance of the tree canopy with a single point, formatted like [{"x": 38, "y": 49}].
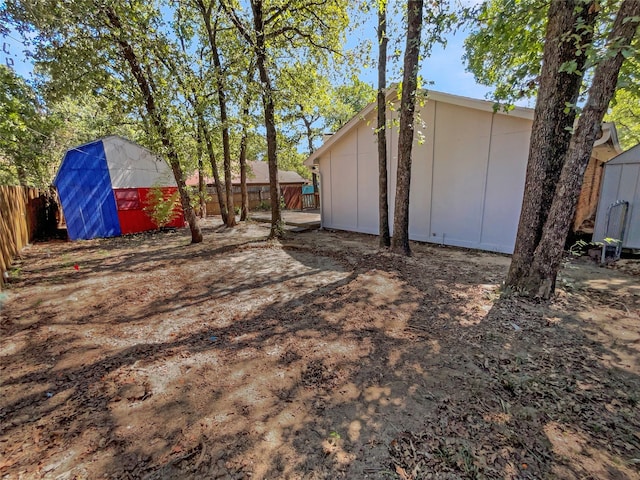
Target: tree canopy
[
  {"x": 505, "y": 46},
  {"x": 85, "y": 88}
]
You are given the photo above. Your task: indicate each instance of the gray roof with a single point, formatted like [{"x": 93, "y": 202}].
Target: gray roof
[
  {"x": 258, "y": 173},
  {"x": 628, "y": 156}
]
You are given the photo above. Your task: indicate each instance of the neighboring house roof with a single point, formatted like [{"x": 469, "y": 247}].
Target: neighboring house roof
[
  {"x": 258, "y": 174},
  {"x": 608, "y": 141},
  {"x": 607, "y": 145}
]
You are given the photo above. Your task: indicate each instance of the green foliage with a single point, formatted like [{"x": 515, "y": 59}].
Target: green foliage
[
  {"x": 90, "y": 91},
  {"x": 24, "y": 130},
  {"x": 625, "y": 112},
  {"x": 161, "y": 208},
  {"x": 346, "y": 101},
  {"x": 504, "y": 50}
]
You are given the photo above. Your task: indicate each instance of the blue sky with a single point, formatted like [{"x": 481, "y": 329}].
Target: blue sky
[
  {"x": 444, "y": 67},
  {"x": 12, "y": 54}
]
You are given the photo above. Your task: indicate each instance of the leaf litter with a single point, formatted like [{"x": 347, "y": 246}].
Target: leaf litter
[{"x": 315, "y": 357}]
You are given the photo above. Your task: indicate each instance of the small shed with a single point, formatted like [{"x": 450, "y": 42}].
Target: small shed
[
  {"x": 103, "y": 187},
  {"x": 468, "y": 172},
  {"x": 621, "y": 182}
]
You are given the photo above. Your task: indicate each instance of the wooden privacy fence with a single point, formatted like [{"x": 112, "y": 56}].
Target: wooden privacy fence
[
  {"x": 260, "y": 197},
  {"x": 257, "y": 196},
  {"x": 19, "y": 211},
  {"x": 310, "y": 200},
  {"x": 292, "y": 197}
]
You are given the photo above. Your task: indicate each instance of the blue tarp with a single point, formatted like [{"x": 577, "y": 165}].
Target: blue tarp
[{"x": 84, "y": 186}]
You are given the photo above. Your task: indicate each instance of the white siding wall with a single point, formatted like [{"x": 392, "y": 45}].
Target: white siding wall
[
  {"x": 505, "y": 182},
  {"x": 466, "y": 184},
  {"x": 344, "y": 177},
  {"x": 422, "y": 176},
  {"x": 367, "y": 184},
  {"x": 461, "y": 153}
]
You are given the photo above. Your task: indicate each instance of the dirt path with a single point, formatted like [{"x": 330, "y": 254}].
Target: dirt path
[{"x": 318, "y": 357}]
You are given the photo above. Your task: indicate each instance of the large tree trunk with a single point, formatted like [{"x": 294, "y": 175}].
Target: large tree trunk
[
  {"x": 551, "y": 130},
  {"x": 269, "y": 118},
  {"x": 383, "y": 204},
  {"x": 400, "y": 241},
  {"x": 548, "y": 254},
  {"x": 158, "y": 122}
]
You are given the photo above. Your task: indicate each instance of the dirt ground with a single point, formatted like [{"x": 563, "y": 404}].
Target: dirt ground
[{"x": 317, "y": 357}]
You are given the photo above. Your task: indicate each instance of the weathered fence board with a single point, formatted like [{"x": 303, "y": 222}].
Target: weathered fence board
[
  {"x": 257, "y": 198},
  {"x": 19, "y": 208}
]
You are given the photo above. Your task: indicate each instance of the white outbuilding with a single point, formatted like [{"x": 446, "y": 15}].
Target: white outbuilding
[{"x": 467, "y": 179}]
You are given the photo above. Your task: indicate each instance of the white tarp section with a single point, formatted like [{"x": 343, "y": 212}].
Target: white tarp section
[
  {"x": 621, "y": 181},
  {"x": 132, "y": 166}
]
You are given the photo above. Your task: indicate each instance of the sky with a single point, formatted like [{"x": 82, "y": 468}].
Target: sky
[
  {"x": 444, "y": 66},
  {"x": 13, "y": 56}
]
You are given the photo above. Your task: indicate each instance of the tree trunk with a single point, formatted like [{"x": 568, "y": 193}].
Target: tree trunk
[
  {"x": 400, "y": 241},
  {"x": 309, "y": 130},
  {"x": 214, "y": 169},
  {"x": 383, "y": 204},
  {"x": 202, "y": 186},
  {"x": 314, "y": 177},
  {"x": 226, "y": 148},
  {"x": 202, "y": 189},
  {"x": 158, "y": 122},
  {"x": 269, "y": 118},
  {"x": 244, "y": 213},
  {"x": 548, "y": 254},
  {"x": 190, "y": 215},
  {"x": 551, "y": 130}
]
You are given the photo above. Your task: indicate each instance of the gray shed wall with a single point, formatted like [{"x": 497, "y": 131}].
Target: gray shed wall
[{"x": 621, "y": 181}]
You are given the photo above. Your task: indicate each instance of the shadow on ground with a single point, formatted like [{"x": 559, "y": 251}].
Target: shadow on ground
[{"x": 318, "y": 357}]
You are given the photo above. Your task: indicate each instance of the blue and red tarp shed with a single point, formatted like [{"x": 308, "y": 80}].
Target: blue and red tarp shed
[{"x": 103, "y": 188}]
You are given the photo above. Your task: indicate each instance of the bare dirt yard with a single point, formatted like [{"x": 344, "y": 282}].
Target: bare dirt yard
[{"x": 316, "y": 357}]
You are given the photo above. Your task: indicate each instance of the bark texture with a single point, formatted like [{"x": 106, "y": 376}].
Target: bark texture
[
  {"x": 244, "y": 211},
  {"x": 202, "y": 187},
  {"x": 214, "y": 169},
  {"x": 158, "y": 122},
  {"x": 269, "y": 117},
  {"x": 224, "y": 121},
  {"x": 548, "y": 254},
  {"x": 551, "y": 130},
  {"x": 206, "y": 13},
  {"x": 383, "y": 206},
  {"x": 400, "y": 241}
]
